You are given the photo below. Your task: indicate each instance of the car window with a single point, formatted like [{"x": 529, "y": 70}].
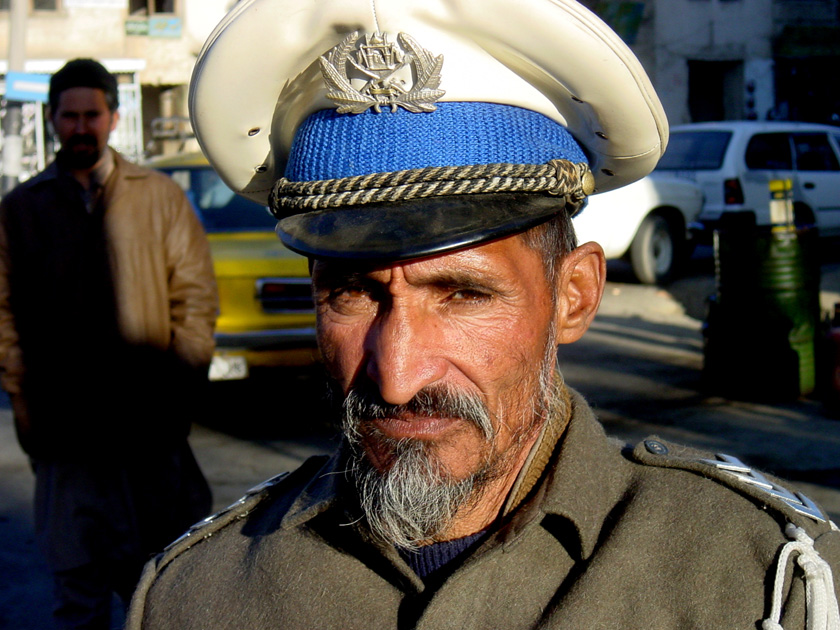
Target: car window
[
  {"x": 695, "y": 150},
  {"x": 769, "y": 151},
  {"x": 814, "y": 153},
  {"x": 219, "y": 208}
]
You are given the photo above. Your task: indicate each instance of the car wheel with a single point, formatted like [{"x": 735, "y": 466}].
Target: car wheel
[{"x": 654, "y": 252}]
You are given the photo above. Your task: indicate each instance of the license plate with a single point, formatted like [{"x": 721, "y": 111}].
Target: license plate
[{"x": 228, "y": 367}]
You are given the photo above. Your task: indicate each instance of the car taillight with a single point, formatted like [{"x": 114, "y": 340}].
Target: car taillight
[
  {"x": 732, "y": 193},
  {"x": 285, "y": 295}
]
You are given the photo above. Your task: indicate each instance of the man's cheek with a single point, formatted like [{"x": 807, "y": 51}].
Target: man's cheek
[{"x": 342, "y": 354}]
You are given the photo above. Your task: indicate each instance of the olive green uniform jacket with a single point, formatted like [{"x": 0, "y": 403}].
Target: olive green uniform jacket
[{"x": 654, "y": 537}]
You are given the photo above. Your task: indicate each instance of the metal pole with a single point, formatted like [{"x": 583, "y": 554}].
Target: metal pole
[
  {"x": 12, "y": 140},
  {"x": 40, "y": 146}
]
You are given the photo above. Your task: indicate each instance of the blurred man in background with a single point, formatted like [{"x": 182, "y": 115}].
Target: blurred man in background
[{"x": 107, "y": 312}]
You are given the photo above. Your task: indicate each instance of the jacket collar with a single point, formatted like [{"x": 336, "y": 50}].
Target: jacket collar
[
  {"x": 542, "y": 451},
  {"x": 105, "y": 168},
  {"x": 51, "y": 172},
  {"x": 129, "y": 170},
  {"x": 320, "y": 494},
  {"x": 121, "y": 166},
  {"x": 588, "y": 478}
]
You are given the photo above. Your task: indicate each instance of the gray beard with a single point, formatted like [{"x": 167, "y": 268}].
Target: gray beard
[{"x": 415, "y": 499}]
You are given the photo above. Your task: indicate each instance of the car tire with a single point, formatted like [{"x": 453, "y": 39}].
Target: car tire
[{"x": 655, "y": 250}]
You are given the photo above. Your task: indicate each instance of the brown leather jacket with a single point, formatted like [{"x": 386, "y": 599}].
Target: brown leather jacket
[{"x": 158, "y": 277}]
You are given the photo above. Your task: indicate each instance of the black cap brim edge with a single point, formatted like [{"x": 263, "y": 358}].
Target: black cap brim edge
[{"x": 415, "y": 228}]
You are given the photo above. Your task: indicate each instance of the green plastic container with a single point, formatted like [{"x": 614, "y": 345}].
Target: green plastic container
[{"x": 762, "y": 322}]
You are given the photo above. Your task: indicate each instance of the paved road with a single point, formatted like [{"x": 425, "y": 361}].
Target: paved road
[{"x": 639, "y": 366}]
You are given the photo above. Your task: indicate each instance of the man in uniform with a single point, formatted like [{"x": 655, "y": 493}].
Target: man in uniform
[
  {"x": 107, "y": 309},
  {"x": 427, "y": 155}
]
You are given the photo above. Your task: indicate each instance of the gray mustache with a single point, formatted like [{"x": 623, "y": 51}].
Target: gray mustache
[{"x": 363, "y": 404}]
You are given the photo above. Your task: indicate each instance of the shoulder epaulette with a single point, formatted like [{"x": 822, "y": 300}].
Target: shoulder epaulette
[
  {"x": 279, "y": 485},
  {"x": 735, "y": 474},
  {"x": 798, "y": 514},
  {"x": 238, "y": 510}
]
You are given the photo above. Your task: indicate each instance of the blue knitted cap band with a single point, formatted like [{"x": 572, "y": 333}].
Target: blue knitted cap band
[{"x": 329, "y": 145}]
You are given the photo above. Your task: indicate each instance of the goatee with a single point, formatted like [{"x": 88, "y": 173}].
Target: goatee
[
  {"x": 412, "y": 498},
  {"x": 80, "y": 152},
  {"x": 415, "y": 498}
]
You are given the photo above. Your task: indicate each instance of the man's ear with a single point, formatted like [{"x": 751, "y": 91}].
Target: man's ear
[{"x": 580, "y": 287}]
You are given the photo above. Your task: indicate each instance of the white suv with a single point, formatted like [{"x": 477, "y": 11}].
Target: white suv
[
  {"x": 646, "y": 222},
  {"x": 734, "y": 162}
]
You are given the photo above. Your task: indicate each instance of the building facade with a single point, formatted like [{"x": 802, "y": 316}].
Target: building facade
[
  {"x": 735, "y": 59},
  {"x": 151, "y": 45}
]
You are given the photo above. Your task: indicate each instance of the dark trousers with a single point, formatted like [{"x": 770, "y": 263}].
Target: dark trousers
[{"x": 98, "y": 522}]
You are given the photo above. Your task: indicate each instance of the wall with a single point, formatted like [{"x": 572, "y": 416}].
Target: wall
[
  {"x": 98, "y": 29},
  {"x": 713, "y": 31}
]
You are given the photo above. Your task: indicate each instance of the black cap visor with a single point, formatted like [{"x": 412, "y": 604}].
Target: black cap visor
[{"x": 415, "y": 228}]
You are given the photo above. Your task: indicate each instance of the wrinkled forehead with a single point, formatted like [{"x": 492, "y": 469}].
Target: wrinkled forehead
[{"x": 500, "y": 263}]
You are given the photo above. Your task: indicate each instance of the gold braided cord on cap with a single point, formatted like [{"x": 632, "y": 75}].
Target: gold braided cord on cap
[{"x": 571, "y": 180}]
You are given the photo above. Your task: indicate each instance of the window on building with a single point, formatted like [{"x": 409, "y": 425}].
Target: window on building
[
  {"x": 151, "y": 7},
  {"x": 715, "y": 90},
  {"x": 34, "y": 5}
]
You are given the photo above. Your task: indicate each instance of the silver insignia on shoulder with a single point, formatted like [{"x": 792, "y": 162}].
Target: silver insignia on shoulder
[
  {"x": 198, "y": 527},
  {"x": 798, "y": 501},
  {"x": 377, "y": 73},
  {"x": 273, "y": 481}
]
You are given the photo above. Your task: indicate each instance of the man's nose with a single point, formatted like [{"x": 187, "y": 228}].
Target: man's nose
[{"x": 403, "y": 354}]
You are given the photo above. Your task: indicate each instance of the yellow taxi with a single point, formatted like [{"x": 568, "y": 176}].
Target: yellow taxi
[{"x": 266, "y": 314}]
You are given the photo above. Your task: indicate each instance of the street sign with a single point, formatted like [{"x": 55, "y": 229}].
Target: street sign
[
  {"x": 160, "y": 26},
  {"x": 27, "y": 87}
]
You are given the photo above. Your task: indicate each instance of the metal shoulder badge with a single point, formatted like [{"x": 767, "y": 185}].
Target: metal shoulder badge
[
  {"x": 733, "y": 468},
  {"x": 798, "y": 501},
  {"x": 371, "y": 72},
  {"x": 238, "y": 510}
]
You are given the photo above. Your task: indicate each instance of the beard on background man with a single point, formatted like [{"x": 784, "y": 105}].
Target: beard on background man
[{"x": 80, "y": 152}]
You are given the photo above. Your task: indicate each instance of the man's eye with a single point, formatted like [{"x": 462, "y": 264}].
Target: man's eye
[
  {"x": 349, "y": 299},
  {"x": 469, "y": 296},
  {"x": 351, "y": 293}
]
